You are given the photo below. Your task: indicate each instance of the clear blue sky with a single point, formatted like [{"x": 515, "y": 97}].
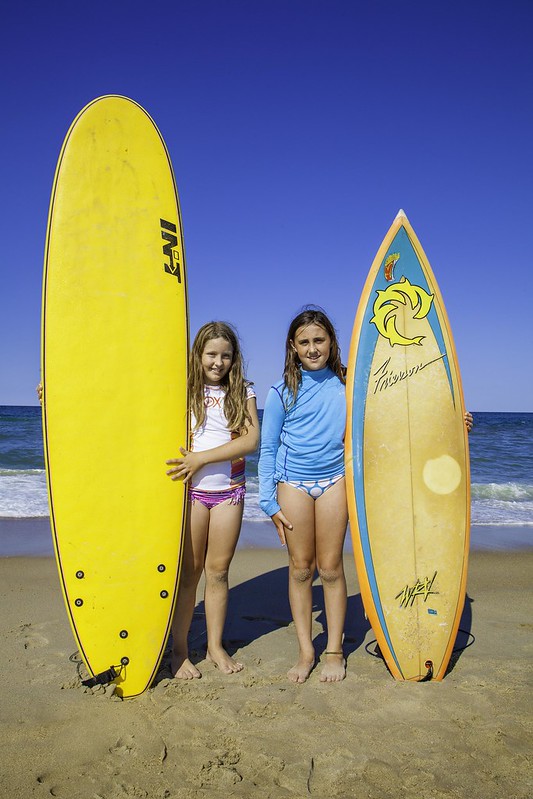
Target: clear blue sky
[{"x": 297, "y": 129}]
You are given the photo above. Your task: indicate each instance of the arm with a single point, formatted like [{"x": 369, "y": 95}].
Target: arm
[
  {"x": 245, "y": 444},
  {"x": 273, "y": 418}
]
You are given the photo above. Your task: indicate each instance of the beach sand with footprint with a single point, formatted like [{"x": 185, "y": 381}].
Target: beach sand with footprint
[{"x": 255, "y": 733}]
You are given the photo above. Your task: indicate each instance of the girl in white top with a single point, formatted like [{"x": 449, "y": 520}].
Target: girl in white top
[{"x": 225, "y": 428}]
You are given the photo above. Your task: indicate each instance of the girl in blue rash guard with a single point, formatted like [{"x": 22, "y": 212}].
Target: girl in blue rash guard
[{"x": 301, "y": 482}]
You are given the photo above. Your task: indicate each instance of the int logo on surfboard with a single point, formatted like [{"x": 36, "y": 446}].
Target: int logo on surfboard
[{"x": 170, "y": 249}]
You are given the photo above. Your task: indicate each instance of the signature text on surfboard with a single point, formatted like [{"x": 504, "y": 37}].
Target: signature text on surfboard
[
  {"x": 386, "y": 378},
  {"x": 170, "y": 248},
  {"x": 421, "y": 588}
]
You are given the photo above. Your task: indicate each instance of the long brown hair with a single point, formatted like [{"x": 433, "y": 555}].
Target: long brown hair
[
  {"x": 234, "y": 383},
  {"x": 292, "y": 374}
]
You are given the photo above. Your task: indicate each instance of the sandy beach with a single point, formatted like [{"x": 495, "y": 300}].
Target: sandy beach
[{"x": 254, "y": 734}]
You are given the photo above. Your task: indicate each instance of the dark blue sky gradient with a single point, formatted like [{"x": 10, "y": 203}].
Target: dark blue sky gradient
[{"x": 297, "y": 129}]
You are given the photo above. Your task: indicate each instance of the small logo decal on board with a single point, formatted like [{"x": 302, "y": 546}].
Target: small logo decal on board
[
  {"x": 390, "y": 263},
  {"x": 170, "y": 249}
]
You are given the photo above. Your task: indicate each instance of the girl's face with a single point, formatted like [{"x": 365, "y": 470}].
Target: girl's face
[
  {"x": 312, "y": 344},
  {"x": 217, "y": 359}
]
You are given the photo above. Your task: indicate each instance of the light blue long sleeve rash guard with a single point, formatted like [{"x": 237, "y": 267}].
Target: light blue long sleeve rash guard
[{"x": 305, "y": 442}]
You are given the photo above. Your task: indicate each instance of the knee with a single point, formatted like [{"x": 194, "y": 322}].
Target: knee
[
  {"x": 216, "y": 577},
  {"x": 330, "y": 576},
  {"x": 301, "y": 574},
  {"x": 190, "y": 577}
]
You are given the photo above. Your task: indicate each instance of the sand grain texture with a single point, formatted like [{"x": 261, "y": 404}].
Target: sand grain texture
[{"x": 254, "y": 734}]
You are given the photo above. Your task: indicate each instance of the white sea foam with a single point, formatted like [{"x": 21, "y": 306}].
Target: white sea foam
[
  {"x": 23, "y": 493},
  {"x": 509, "y": 504},
  {"x": 507, "y": 492},
  {"x": 252, "y": 511}
]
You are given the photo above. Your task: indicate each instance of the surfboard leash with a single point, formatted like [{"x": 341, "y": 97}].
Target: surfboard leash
[{"x": 103, "y": 678}]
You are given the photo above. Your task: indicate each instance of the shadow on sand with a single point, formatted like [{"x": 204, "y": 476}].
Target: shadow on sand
[
  {"x": 260, "y": 606},
  {"x": 465, "y": 637}
]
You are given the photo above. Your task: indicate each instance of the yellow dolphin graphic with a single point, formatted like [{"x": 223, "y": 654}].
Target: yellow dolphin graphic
[{"x": 386, "y": 308}]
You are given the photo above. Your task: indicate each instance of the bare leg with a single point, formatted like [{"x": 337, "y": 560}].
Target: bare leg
[
  {"x": 193, "y": 562},
  {"x": 224, "y": 528},
  {"x": 331, "y": 519},
  {"x": 299, "y": 508}
]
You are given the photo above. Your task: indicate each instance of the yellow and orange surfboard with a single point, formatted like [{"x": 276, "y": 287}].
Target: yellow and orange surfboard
[
  {"x": 114, "y": 369},
  {"x": 407, "y": 461}
]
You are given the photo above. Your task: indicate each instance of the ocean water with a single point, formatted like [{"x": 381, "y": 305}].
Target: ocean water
[{"x": 501, "y": 459}]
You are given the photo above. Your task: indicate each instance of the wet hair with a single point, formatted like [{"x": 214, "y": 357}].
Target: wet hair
[
  {"x": 292, "y": 374},
  {"x": 234, "y": 383}
]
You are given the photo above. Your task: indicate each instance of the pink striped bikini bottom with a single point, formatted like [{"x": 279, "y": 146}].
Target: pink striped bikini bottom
[{"x": 213, "y": 498}]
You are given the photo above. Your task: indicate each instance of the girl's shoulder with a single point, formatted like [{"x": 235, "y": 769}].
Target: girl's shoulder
[
  {"x": 279, "y": 393},
  {"x": 278, "y": 387},
  {"x": 250, "y": 390}
]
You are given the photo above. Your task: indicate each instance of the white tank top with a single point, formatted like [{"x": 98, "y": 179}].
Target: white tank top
[{"x": 214, "y": 432}]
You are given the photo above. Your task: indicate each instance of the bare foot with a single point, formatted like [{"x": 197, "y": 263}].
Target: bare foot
[
  {"x": 301, "y": 670},
  {"x": 220, "y": 658},
  {"x": 182, "y": 668},
  {"x": 334, "y": 669}
]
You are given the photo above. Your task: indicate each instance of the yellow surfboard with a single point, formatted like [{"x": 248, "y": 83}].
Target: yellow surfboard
[
  {"x": 407, "y": 461},
  {"x": 114, "y": 370}
]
